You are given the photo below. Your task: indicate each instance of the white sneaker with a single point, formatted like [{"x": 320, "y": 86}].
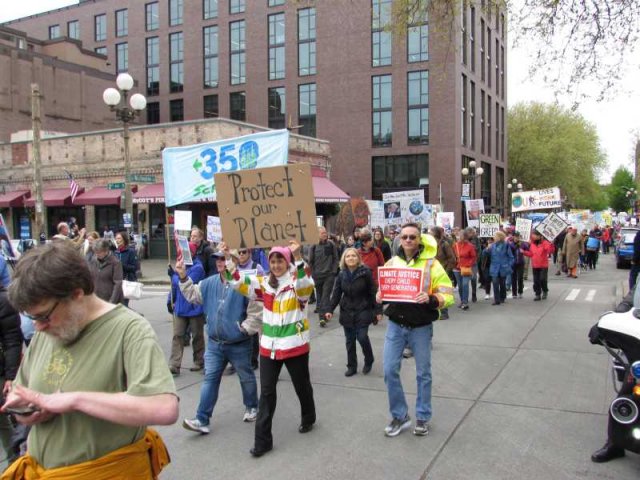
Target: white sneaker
[
  {"x": 195, "y": 425},
  {"x": 487, "y": 297},
  {"x": 250, "y": 415}
]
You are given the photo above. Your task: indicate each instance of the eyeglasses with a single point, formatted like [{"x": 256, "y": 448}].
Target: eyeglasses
[
  {"x": 243, "y": 252},
  {"x": 408, "y": 237},
  {"x": 42, "y": 318}
]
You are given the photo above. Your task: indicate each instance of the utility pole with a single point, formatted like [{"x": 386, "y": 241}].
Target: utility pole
[{"x": 37, "y": 178}]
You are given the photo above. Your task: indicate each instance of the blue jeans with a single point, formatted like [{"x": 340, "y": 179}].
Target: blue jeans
[
  {"x": 419, "y": 340},
  {"x": 463, "y": 287},
  {"x": 216, "y": 357}
]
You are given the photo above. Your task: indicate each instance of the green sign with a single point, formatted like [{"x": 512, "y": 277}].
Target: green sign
[
  {"x": 142, "y": 178},
  {"x": 115, "y": 186}
]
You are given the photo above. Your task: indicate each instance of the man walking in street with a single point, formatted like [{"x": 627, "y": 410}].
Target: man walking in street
[
  {"x": 323, "y": 260},
  {"x": 411, "y": 325}
]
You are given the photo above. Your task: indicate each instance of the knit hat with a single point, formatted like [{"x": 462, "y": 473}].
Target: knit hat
[{"x": 284, "y": 251}]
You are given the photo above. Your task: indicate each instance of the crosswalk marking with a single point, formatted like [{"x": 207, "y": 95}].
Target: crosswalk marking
[
  {"x": 590, "y": 295},
  {"x": 573, "y": 295}
]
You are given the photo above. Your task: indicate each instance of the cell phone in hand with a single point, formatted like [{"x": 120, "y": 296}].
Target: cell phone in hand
[{"x": 26, "y": 410}]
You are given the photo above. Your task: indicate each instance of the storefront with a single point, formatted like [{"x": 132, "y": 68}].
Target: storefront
[
  {"x": 57, "y": 201},
  {"x": 106, "y": 209}
]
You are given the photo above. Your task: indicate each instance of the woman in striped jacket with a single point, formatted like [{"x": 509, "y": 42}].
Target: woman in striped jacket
[{"x": 285, "y": 333}]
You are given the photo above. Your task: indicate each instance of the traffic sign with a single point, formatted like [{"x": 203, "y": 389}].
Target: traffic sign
[
  {"x": 142, "y": 178},
  {"x": 115, "y": 186}
]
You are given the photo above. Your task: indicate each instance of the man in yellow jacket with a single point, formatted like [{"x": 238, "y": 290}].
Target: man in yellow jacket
[{"x": 411, "y": 325}]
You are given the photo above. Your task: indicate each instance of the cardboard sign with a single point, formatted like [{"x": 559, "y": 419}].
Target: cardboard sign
[
  {"x": 267, "y": 206},
  {"x": 214, "y": 230},
  {"x": 523, "y": 227},
  {"x": 400, "y": 284},
  {"x": 551, "y": 226},
  {"x": 182, "y": 249},
  {"x": 182, "y": 220},
  {"x": 489, "y": 224}
]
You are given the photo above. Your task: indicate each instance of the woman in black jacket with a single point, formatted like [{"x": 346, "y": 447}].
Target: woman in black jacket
[{"x": 355, "y": 291}]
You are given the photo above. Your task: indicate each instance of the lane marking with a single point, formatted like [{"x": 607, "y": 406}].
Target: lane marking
[
  {"x": 590, "y": 295},
  {"x": 573, "y": 295}
]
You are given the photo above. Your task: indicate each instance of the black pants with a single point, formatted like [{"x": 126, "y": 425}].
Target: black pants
[
  {"x": 592, "y": 258},
  {"x": 361, "y": 334},
  {"x": 324, "y": 286},
  {"x": 298, "y": 368},
  {"x": 540, "y": 280},
  {"x": 517, "y": 280},
  {"x": 255, "y": 350},
  {"x": 499, "y": 289}
]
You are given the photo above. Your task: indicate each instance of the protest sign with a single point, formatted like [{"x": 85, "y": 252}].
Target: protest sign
[
  {"x": 445, "y": 220},
  {"x": 399, "y": 284},
  {"x": 403, "y": 207},
  {"x": 5, "y": 241},
  {"x": 182, "y": 220},
  {"x": 474, "y": 208},
  {"x": 267, "y": 206},
  {"x": 214, "y": 230},
  {"x": 523, "y": 226},
  {"x": 551, "y": 226},
  {"x": 489, "y": 224},
  {"x": 189, "y": 171},
  {"x": 182, "y": 249},
  {"x": 376, "y": 213},
  {"x": 536, "y": 200}
]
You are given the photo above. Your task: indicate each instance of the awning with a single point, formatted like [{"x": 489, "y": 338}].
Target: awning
[
  {"x": 153, "y": 193},
  {"x": 54, "y": 197},
  {"x": 99, "y": 196},
  {"x": 326, "y": 191},
  {"x": 14, "y": 199}
]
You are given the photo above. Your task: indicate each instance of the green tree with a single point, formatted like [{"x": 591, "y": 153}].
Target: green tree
[
  {"x": 621, "y": 182},
  {"x": 551, "y": 146}
]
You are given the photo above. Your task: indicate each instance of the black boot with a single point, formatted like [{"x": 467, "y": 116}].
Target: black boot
[
  {"x": 607, "y": 452},
  {"x": 351, "y": 371}
]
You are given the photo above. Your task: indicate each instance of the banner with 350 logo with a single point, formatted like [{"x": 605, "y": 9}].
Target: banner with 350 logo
[{"x": 188, "y": 171}]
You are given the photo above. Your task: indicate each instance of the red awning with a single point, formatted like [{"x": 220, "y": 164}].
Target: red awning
[
  {"x": 326, "y": 191},
  {"x": 54, "y": 197},
  {"x": 14, "y": 199},
  {"x": 153, "y": 193},
  {"x": 100, "y": 196}
]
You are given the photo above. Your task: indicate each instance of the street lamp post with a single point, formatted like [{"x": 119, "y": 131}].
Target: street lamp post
[
  {"x": 631, "y": 194},
  {"x": 469, "y": 175},
  {"x": 116, "y": 99}
]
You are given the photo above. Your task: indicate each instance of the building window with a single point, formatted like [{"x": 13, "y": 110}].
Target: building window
[
  {"x": 501, "y": 71},
  {"x": 307, "y": 41},
  {"x": 176, "y": 12},
  {"x": 489, "y": 106},
  {"x": 210, "y": 106},
  {"x": 418, "y": 43},
  {"x": 502, "y": 133},
  {"x": 236, "y": 6},
  {"x": 497, "y": 129},
  {"x": 275, "y": 3},
  {"x": 176, "y": 59},
  {"x": 276, "y": 46},
  {"x": 210, "y": 49},
  {"x": 73, "y": 29},
  {"x": 176, "y": 110},
  {"x": 397, "y": 173},
  {"x": 54, "y": 31},
  {"x": 485, "y": 183},
  {"x": 463, "y": 31},
  {"x": 497, "y": 75},
  {"x": 209, "y": 9},
  {"x": 237, "y": 53},
  {"x": 381, "y": 114},
  {"x": 307, "y": 109},
  {"x": 153, "y": 66},
  {"x": 482, "y": 121},
  {"x": 472, "y": 39},
  {"x": 153, "y": 113},
  {"x": 277, "y": 107},
  {"x": 122, "y": 57},
  {"x": 502, "y": 27},
  {"x": 238, "y": 107},
  {"x": 482, "y": 50},
  {"x": 100, "y": 23},
  {"x": 472, "y": 115},
  {"x": 380, "y": 38},
  {"x": 101, "y": 50},
  {"x": 418, "y": 108},
  {"x": 489, "y": 57},
  {"x": 463, "y": 109},
  {"x": 499, "y": 188},
  {"x": 152, "y": 19},
  {"x": 122, "y": 23}
]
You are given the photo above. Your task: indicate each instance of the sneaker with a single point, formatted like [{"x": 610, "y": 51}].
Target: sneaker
[
  {"x": 396, "y": 426},
  {"x": 422, "y": 428},
  {"x": 250, "y": 415},
  {"x": 544, "y": 295},
  {"x": 195, "y": 426},
  {"x": 323, "y": 323},
  {"x": 465, "y": 307},
  {"x": 407, "y": 353},
  {"x": 487, "y": 297},
  {"x": 444, "y": 316}
]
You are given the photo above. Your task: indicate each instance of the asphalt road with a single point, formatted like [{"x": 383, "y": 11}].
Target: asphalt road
[{"x": 518, "y": 393}]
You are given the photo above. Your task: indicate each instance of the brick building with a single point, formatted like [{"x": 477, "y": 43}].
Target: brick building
[{"x": 400, "y": 111}]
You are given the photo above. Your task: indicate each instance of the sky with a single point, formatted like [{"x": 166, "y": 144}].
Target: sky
[{"x": 615, "y": 119}]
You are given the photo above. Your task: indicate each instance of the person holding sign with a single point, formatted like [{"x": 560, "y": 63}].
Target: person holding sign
[
  {"x": 285, "y": 333},
  {"x": 539, "y": 250},
  {"x": 355, "y": 291},
  {"x": 411, "y": 324},
  {"x": 500, "y": 268}
]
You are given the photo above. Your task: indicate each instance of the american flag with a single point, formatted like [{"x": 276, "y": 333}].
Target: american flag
[{"x": 73, "y": 187}]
